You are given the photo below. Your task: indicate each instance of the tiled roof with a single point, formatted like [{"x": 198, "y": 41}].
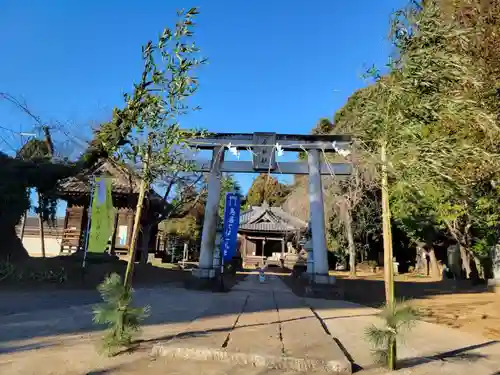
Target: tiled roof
[
  {"x": 269, "y": 219},
  {"x": 124, "y": 181}
]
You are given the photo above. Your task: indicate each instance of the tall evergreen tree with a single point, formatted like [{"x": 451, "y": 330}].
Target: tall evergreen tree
[{"x": 268, "y": 189}]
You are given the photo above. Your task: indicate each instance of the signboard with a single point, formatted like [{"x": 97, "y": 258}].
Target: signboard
[
  {"x": 231, "y": 223},
  {"x": 264, "y": 158}
]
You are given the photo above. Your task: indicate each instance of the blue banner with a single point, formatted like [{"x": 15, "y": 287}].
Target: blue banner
[{"x": 231, "y": 223}]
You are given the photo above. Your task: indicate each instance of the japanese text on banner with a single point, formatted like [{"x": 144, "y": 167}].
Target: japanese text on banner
[{"x": 231, "y": 223}]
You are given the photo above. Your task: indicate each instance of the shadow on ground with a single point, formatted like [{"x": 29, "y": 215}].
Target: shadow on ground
[
  {"x": 461, "y": 354},
  {"x": 371, "y": 292},
  {"x": 48, "y": 313}
]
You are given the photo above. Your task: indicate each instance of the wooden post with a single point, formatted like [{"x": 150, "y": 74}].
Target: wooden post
[
  {"x": 113, "y": 237},
  {"x": 244, "y": 250},
  {"x": 23, "y": 225},
  {"x": 40, "y": 222},
  {"x": 50, "y": 149},
  {"x": 282, "y": 260},
  {"x": 65, "y": 226},
  {"x": 185, "y": 254}
]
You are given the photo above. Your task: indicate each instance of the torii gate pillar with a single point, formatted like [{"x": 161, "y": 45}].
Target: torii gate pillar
[
  {"x": 205, "y": 268},
  {"x": 317, "y": 219}
]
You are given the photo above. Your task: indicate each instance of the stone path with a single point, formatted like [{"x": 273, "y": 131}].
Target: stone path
[
  {"x": 272, "y": 329},
  {"x": 255, "y": 329}
]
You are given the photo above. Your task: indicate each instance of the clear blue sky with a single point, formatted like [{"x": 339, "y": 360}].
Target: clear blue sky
[{"x": 274, "y": 65}]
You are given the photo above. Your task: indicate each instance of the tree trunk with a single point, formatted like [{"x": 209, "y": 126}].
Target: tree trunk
[
  {"x": 146, "y": 235},
  {"x": 420, "y": 263},
  {"x": 350, "y": 241},
  {"x": 481, "y": 274},
  {"x": 12, "y": 249},
  {"x": 40, "y": 223},
  {"x": 391, "y": 355},
  {"x": 464, "y": 251},
  {"x": 465, "y": 255},
  {"x": 137, "y": 220},
  {"x": 135, "y": 234},
  {"x": 386, "y": 228},
  {"x": 435, "y": 273}
]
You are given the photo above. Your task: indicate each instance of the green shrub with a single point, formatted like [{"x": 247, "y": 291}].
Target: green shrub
[
  {"x": 116, "y": 312},
  {"x": 11, "y": 271},
  {"x": 7, "y": 270}
]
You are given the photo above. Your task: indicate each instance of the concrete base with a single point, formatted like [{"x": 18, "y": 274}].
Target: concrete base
[
  {"x": 322, "y": 279},
  {"x": 494, "y": 285},
  {"x": 204, "y": 273},
  {"x": 340, "y": 366}
]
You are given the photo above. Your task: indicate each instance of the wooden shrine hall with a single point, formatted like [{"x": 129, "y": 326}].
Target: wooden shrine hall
[
  {"x": 125, "y": 189},
  {"x": 269, "y": 235}
]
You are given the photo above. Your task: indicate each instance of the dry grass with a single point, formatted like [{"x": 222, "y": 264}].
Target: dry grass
[
  {"x": 477, "y": 313},
  {"x": 32, "y": 272}
]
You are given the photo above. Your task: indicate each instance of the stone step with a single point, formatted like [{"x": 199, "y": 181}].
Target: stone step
[
  {"x": 258, "y": 328},
  {"x": 172, "y": 366},
  {"x": 304, "y": 337},
  {"x": 306, "y": 365}
]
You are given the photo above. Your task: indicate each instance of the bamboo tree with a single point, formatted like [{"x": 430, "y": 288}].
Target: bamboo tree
[
  {"x": 143, "y": 187},
  {"x": 152, "y": 142},
  {"x": 388, "y": 254},
  {"x": 387, "y": 233}
]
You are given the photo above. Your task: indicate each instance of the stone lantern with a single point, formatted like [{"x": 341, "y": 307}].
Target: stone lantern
[
  {"x": 308, "y": 246},
  {"x": 217, "y": 250},
  {"x": 495, "y": 256},
  {"x": 311, "y": 266}
]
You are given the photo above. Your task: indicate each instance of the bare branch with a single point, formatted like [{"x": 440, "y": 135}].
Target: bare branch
[{"x": 22, "y": 106}]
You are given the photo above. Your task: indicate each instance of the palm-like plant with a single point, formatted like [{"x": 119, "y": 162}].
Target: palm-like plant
[
  {"x": 398, "y": 318},
  {"x": 116, "y": 312}
]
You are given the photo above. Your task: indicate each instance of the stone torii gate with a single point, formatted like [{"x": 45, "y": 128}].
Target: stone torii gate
[{"x": 264, "y": 147}]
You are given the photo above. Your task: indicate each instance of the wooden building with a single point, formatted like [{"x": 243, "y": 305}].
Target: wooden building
[
  {"x": 125, "y": 189},
  {"x": 269, "y": 235}
]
